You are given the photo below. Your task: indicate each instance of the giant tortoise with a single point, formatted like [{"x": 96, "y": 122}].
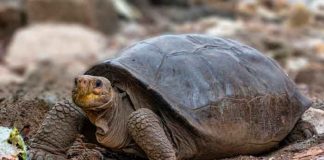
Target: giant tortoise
[{"x": 179, "y": 97}]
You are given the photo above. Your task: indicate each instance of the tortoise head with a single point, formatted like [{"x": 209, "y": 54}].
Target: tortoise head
[{"x": 91, "y": 92}]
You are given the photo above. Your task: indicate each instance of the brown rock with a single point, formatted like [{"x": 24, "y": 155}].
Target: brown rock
[
  {"x": 319, "y": 49},
  {"x": 299, "y": 16},
  {"x": 11, "y": 16},
  {"x": 313, "y": 76},
  {"x": 228, "y": 7},
  {"x": 98, "y": 14}
]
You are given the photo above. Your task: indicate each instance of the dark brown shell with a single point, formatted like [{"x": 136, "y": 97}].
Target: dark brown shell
[{"x": 210, "y": 84}]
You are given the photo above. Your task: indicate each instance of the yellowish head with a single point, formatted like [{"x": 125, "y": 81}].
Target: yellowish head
[{"x": 91, "y": 91}]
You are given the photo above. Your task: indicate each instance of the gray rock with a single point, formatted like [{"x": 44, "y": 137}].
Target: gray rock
[
  {"x": 315, "y": 117},
  {"x": 71, "y": 46}
]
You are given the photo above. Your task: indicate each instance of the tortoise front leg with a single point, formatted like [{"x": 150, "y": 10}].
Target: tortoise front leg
[
  {"x": 147, "y": 131},
  {"x": 57, "y": 132}
]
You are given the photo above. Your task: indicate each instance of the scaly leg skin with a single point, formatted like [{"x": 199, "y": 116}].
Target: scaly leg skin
[
  {"x": 58, "y": 131},
  {"x": 81, "y": 150},
  {"x": 303, "y": 130},
  {"x": 147, "y": 131}
]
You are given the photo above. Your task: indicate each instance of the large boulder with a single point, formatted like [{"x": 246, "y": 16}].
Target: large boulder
[
  {"x": 98, "y": 14},
  {"x": 71, "y": 46}
]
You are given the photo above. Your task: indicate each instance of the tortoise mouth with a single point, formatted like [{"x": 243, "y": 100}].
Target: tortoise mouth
[{"x": 90, "y": 100}]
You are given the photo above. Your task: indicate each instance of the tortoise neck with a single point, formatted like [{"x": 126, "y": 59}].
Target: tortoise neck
[{"x": 111, "y": 122}]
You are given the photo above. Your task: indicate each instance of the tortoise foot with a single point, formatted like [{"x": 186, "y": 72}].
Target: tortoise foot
[
  {"x": 84, "y": 151},
  {"x": 302, "y": 131}
]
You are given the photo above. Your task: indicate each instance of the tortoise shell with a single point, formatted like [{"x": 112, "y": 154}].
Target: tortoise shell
[{"x": 219, "y": 89}]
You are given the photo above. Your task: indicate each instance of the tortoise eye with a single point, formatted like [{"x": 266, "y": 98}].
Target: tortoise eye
[{"x": 98, "y": 83}]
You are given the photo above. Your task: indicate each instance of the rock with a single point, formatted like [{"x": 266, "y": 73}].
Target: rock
[
  {"x": 299, "y": 16},
  {"x": 312, "y": 75},
  {"x": 317, "y": 7},
  {"x": 225, "y": 28},
  {"x": 127, "y": 10},
  {"x": 215, "y": 26},
  {"x": 172, "y": 2},
  {"x": 296, "y": 63},
  {"x": 315, "y": 117},
  {"x": 318, "y": 48},
  {"x": 7, "y": 76},
  {"x": 98, "y": 14},
  {"x": 268, "y": 15},
  {"x": 267, "y": 10},
  {"x": 11, "y": 16},
  {"x": 247, "y": 7},
  {"x": 318, "y": 103},
  {"x": 71, "y": 46},
  {"x": 275, "y": 4},
  {"x": 224, "y": 8}
]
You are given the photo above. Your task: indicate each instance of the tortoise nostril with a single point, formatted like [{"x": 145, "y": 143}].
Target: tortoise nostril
[
  {"x": 76, "y": 81},
  {"x": 82, "y": 81}
]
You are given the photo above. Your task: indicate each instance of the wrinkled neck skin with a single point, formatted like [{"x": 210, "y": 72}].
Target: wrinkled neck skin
[{"x": 111, "y": 122}]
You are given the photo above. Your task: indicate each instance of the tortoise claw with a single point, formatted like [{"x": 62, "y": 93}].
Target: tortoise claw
[{"x": 80, "y": 150}]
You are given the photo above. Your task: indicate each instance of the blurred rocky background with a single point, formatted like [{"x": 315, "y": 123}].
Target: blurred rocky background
[{"x": 45, "y": 43}]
